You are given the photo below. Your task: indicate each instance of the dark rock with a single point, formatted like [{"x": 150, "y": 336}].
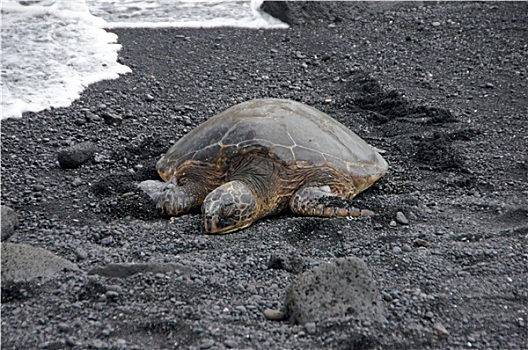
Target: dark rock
[
  {"x": 9, "y": 222},
  {"x": 76, "y": 155},
  {"x": 273, "y": 314},
  {"x": 290, "y": 263},
  {"x": 401, "y": 218},
  {"x": 301, "y": 13},
  {"x": 112, "y": 119},
  {"x": 21, "y": 262},
  {"x": 342, "y": 288}
]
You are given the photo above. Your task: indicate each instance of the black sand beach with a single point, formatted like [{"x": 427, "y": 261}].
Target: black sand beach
[{"x": 442, "y": 89}]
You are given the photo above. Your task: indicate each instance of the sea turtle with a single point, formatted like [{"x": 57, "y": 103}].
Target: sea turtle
[{"x": 260, "y": 157}]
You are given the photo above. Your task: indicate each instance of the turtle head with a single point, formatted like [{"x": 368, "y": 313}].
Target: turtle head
[{"x": 229, "y": 208}]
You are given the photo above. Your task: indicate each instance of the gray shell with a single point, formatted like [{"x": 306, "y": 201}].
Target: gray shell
[{"x": 292, "y": 132}]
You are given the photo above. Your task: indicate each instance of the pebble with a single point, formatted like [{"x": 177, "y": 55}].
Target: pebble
[
  {"x": 81, "y": 254},
  {"x": 241, "y": 308},
  {"x": 421, "y": 243},
  {"x": 91, "y": 117},
  {"x": 112, "y": 119},
  {"x": 435, "y": 24},
  {"x": 273, "y": 314},
  {"x": 207, "y": 344},
  {"x": 310, "y": 328},
  {"x": 111, "y": 294},
  {"x": 299, "y": 55},
  {"x": 149, "y": 98},
  {"x": 79, "y": 121},
  {"x": 401, "y": 218},
  {"x": 406, "y": 248},
  {"x": 230, "y": 344},
  {"x": 440, "y": 330},
  {"x": 39, "y": 187},
  {"x": 63, "y": 327},
  {"x": 107, "y": 240}
]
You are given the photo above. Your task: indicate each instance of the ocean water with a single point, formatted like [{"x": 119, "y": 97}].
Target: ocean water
[{"x": 53, "y": 49}]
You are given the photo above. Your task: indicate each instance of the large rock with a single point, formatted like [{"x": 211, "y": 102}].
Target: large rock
[
  {"x": 300, "y": 13},
  {"x": 340, "y": 289},
  {"x": 76, "y": 155},
  {"x": 9, "y": 219},
  {"x": 24, "y": 263}
]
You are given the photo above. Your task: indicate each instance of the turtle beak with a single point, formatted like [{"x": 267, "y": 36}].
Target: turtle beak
[{"x": 217, "y": 224}]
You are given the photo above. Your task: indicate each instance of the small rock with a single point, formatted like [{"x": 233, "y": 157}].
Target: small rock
[
  {"x": 230, "y": 344},
  {"x": 273, "y": 315},
  {"x": 290, "y": 263},
  {"x": 107, "y": 240},
  {"x": 299, "y": 55},
  {"x": 77, "y": 182},
  {"x": 111, "y": 294},
  {"x": 310, "y": 328},
  {"x": 418, "y": 242},
  {"x": 91, "y": 117},
  {"x": 63, "y": 327},
  {"x": 440, "y": 330},
  {"x": 71, "y": 342},
  {"x": 401, "y": 218},
  {"x": 9, "y": 221},
  {"x": 241, "y": 308},
  {"x": 207, "y": 344},
  {"x": 76, "y": 155},
  {"x": 149, "y": 98},
  {"x": 406, "y": 248},
  {"x": 79, "y": 121},
  {"x": 112, "y": 119},
  {"x": 396, "y": 250},
  {"x": 81, "y": 254},
  {"x": 39, "y": 188},
  {"x": 435, "y": 24}
]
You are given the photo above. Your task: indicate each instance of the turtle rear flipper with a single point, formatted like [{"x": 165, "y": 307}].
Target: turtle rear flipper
[{"x": 320, "y": 201}]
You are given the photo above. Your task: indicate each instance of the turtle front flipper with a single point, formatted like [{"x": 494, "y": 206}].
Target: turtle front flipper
[
  {"x": 320, "y": 201},
  {"x": 173, "y": 199},
  {"x": 229, "y": 207}
]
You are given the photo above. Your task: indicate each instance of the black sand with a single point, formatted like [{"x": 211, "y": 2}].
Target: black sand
[{"x": 442, "y": 89}]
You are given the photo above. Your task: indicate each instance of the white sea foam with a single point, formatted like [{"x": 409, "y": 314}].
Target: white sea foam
[
  {"x": 183, "y": 13},
  {"x": 53, "y": 49}
]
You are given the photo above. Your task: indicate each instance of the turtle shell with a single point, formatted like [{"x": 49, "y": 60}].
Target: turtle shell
[{"x": 293, "y": 133}]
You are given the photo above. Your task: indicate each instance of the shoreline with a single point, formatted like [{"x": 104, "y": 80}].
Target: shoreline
[{"x": 447, "y": 106}]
